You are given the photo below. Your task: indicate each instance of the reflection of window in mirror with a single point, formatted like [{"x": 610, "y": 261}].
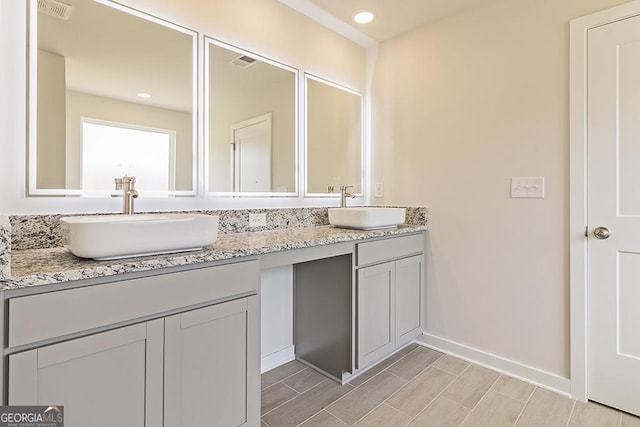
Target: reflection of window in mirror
[
  {"x": 103, "y": 60},
  {"x": 246, "y": 153},
  {"x": 111, "y": 150},
  {"x": 334, "y": 137}
]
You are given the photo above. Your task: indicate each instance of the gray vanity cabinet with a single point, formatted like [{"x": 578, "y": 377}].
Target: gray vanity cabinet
[
  {"x": 409, "y": 295},
  {"x": 97, "y": 377},
  {"x": 375, "y": 310},
  {"x": 178, "y": 349},
  {"x": 390, "y": 290},
  {"x": 208, "y": 353}
]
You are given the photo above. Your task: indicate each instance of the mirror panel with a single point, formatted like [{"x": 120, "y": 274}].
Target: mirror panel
[
  {"x": 250, "y": 123},
  {"x": 86, "y": 71},
  {"x": 333, "y": 137}
]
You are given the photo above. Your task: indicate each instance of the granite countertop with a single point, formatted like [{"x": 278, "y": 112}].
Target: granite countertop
[{"x": 37, "y": 267}]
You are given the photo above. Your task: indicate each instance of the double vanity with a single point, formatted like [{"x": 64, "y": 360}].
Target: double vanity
[{"x": 174, "y": 339}]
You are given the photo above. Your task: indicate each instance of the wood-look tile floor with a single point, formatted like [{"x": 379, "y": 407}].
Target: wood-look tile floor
[{"x": 421, "y": 387}]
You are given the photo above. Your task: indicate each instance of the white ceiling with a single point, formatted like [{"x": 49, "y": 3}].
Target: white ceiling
[
  {"x": 393, "y": 17},
  {"x": 113, "y": 54}
]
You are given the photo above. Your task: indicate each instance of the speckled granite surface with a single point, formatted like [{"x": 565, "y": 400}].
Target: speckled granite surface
[
  {"x": 32, "y": 252},
  {"x": 35, "y": 267},
  {"x": 46, "y": 231},
  {"x": 5, "y": 247}
]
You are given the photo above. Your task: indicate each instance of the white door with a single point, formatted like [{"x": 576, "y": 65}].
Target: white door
[
  {"x": 613, "y": 130},
  {"x": 251, "y": 155}
]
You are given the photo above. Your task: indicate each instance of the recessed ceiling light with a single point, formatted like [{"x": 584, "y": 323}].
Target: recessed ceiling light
[
  {"x": 364, "y": 17},
  {"x": 144, "y": 95}
]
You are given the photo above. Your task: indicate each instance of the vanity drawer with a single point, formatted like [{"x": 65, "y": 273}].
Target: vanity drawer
[
  {"x": 49, "y": 315},
  {"x": 388, "y": 249}
]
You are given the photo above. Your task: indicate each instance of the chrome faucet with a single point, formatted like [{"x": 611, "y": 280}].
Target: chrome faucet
[
  {"x": 128, "y": 186},
  {"x": 344, "y": 195}
]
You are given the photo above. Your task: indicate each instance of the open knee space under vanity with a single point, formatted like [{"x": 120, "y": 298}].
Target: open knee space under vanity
[{"x": 346, "y": 307}]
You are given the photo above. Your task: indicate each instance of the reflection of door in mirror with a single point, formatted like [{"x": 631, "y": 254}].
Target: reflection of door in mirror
[
  {"x": 334, "y": 136},
  {"x": 102, "y": 60},
  {"x": 251, "y": 154},
  {"x": 241, "y": 86}
]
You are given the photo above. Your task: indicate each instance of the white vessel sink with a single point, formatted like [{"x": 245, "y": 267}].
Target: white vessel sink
[
  {"x": 366, "y": 218},
  {"x": 104, "y": 237}
]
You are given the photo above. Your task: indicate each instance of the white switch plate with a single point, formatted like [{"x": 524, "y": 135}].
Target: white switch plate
[
  {"x": 528, "y": 187},
  {"x": 379, "y": 189},
  {"x": 258, "y": 220}
]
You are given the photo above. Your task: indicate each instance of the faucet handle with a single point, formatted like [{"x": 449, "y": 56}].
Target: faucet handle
[{"x": 131, "y": 180}]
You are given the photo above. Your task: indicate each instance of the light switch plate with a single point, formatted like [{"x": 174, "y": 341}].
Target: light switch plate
[
  {"x": 379, "y": 189},
  {"x": 258, "y": 220},
  {"x": 527, "y": 187}
]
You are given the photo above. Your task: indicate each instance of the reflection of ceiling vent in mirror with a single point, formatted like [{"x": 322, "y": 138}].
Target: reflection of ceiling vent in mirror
[
  {"x": 244, "y": 61},
  {"x": 54, "y": 8}
]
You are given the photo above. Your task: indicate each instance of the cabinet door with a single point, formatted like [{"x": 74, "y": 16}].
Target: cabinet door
[
  {"x": 409, "y": 295},
  {"x": 375, "y": 313},
  {"x": 212, "y": 366},
  {"x": 96, "y": 378}
]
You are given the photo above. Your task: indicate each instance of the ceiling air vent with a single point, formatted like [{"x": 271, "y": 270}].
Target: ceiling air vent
[
  {"x": 54, "y": 8},
  {"x": 244, "y": 61}
]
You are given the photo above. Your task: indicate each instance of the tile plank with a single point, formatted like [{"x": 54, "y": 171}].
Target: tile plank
[
  {"x": 274, "y": 396},
  {"x": 365, "y": 398},
  {"x": 323, "y": 419},
  {"x": 418, "y": 393},
  {"x": 382, "y": 416},
  {"x": 547, "y": 409},
  {"x": 281, "y": 372},
  {"x": 629, "y": 420},
  {"x": 471, "y": 386},
  {"x": 306, "y": 404},
  {"x": 381, "y": 366},
  {"x": 592, "y": 414},
  {"x": 451, "y": 364},
  {"x": 442, "y": 412},
  {"x": 494, "y": 410},
  {"x": 513, "y": 388},
  {"x": 414, "y": 363},
  {"x": 304, "y": 380}
]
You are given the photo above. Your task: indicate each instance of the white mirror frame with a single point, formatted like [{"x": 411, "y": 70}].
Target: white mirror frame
[
  {"x": 211, "y": 41},
  {"x": 32, "y": 106},
  {"x": 361, "y": 184}
]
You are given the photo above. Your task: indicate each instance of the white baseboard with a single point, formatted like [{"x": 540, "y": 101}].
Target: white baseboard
[
  {"x": 514, "y": 369},
  {"x": 277, "y": 358}
]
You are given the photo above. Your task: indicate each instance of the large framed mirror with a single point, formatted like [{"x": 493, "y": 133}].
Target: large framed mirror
[
  {"x": 112, "y": 92},
  {"x": 334, "y": 138},
  {"x": 251, "y": 123}
]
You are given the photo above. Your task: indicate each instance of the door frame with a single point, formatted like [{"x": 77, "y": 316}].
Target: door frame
[
  {"x": 578, "y": 225},
  {"x": 233, "y": 154}
]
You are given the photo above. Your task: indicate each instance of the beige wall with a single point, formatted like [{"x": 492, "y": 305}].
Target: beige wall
[
  {"x": 51, "y": 120},
  {"x": 95, "y": 107},
  {"x": 334, "y": 137},
  {"x": 459, "y": 107}
]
